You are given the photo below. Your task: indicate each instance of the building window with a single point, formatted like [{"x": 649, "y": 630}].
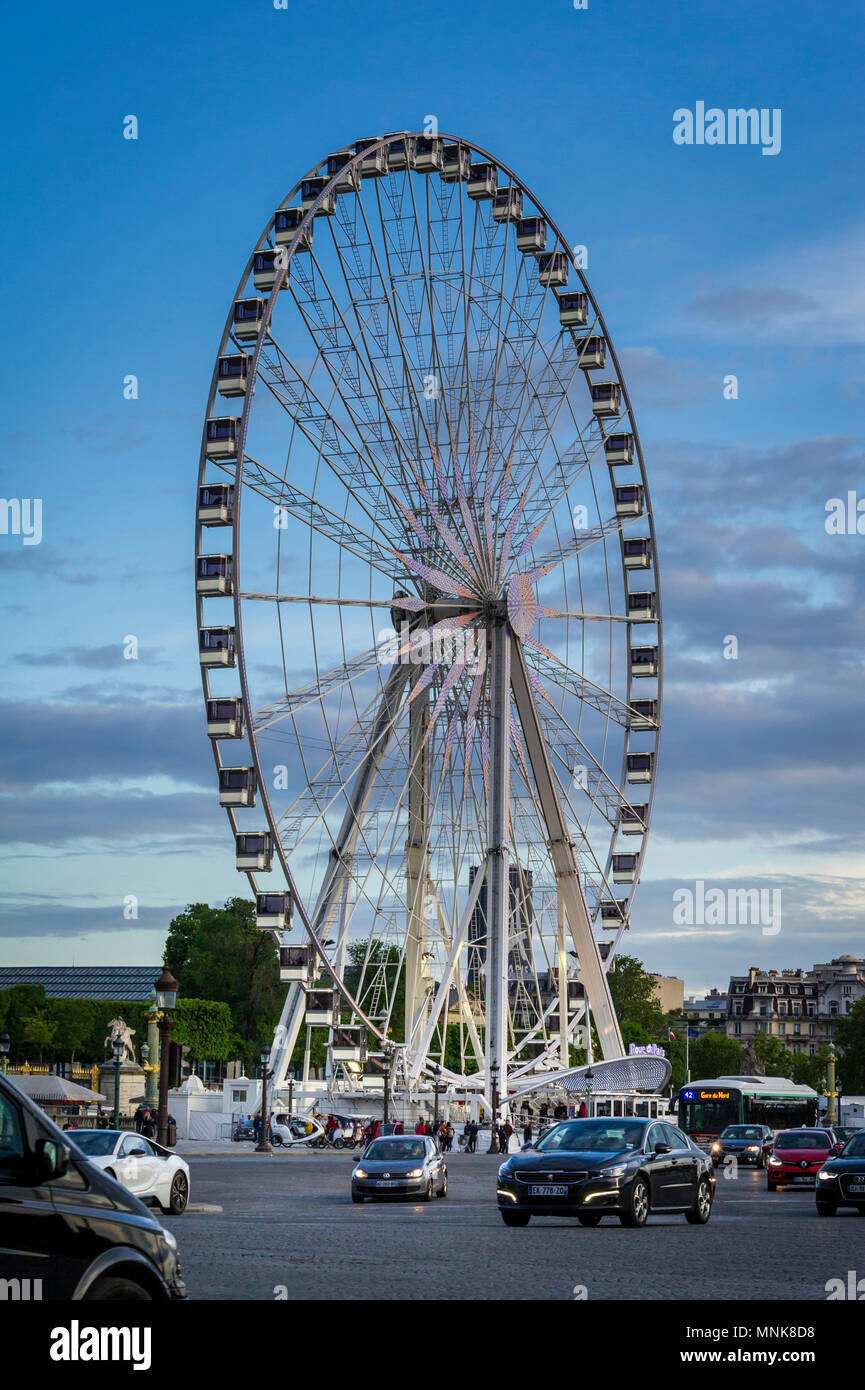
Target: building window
[{"x": 737, "y": 1029}]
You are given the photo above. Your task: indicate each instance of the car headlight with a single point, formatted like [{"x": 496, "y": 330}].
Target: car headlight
[
  {"x": 360, "y": 1172},
  {"x": 170, "y": 1239},
  {"x": 415, "y": 1173},
  {"x": 716, "y": 1148},
  {"x": 616, "y": 1171},
  {"x": 826, "y": 1176},
  {"x": 504, "y": 1171},
  {"x": 775, "y": 1163},
  {"x": 753, "y": 1148}
]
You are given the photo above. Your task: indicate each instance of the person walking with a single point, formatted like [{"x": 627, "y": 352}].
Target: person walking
[
  {"x": 508, "y": 1130},
  {"x": 420, "y": 1127},
  {"x": 473, "y": 1137},
  {"x": 527, "y": 1132},
  {"x": 138, "y": 1118},
  {"x": 503, "y": 1139},
  {"x": 450, "y": 1137}
]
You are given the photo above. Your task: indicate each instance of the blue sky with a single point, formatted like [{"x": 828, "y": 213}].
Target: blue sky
[{"x": 122, "y": 257}]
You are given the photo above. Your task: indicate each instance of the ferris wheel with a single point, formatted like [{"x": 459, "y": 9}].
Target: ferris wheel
[{"x": 429, "y": 619}]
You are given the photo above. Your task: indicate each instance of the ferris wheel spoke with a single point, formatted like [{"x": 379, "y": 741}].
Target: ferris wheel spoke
[{"x": 552, "y": 668}]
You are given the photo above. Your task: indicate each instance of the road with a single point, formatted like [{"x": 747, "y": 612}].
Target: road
[{"x": 287, "y": 1227}]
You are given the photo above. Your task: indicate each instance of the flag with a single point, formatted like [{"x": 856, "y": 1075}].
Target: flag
[{"x": 671, "y": 1034}]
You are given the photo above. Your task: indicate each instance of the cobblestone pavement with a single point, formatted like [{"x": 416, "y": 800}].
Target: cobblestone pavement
[{"x": 290, "y": 1227}]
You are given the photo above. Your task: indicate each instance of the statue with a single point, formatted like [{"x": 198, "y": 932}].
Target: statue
[
  {"x": 121, "y": 1032},
  {"x": 751, "y": 1064}
]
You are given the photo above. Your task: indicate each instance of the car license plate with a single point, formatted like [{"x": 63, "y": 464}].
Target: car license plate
[
  {"x": 386, "y": 1182},
  {"x": 857, "y": 1187},
  {"x": 547, "y": 1189},
  {"x": 804, "y": 1177}
]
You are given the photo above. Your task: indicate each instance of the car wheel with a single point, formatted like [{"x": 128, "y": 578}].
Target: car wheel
[
  {"x": 430, "y": 1191},
  {"x": 826, "y": 1208},
  {"x": 357, "y": 1197},
  {"x": 702, "y": 1209},
  {"x": 589, "y": 1218},
  {"x": 116, "y": 1290},
  {"x": 516, "y": 1218},
  {"x": 179, "y": 1195},
  {"x": 637, "y": 1210},
  {"x": 443, "y": 1190}
]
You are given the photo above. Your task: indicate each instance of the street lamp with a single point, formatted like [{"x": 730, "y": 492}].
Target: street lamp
[
  {"x": 165, "y": 989},
  {"x": 437, "y": 1089},
  {"x": 118, "y": 1055},
  {"x": 386, "y": 1074},
  {"x": 263, "y": 1145},
  {"x": 494, "y": 1134},
  {"x": 5, "y": 1044}
]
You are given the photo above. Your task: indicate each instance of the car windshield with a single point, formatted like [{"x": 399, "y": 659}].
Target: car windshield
[
  {"x": 395, "y": 1150},
  {"x": 593, "y": 1136},
  {"x": 855, "y": 1147},
  {"x": 802, "y": 1139},
  {"x": 96, "y": 1143},
  {"x": 742, "y": 1132}
]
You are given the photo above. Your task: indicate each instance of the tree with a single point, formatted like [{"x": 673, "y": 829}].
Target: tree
[
  {"x": 714, "y": 1054},
  {"x": 850, "y": 1037},
  {"x": 206, "y": 1028},
  {"x": 635, "y": 998},
  {"x": 38, "y": 1031},
  {"x": 777, "y": 1059},
  {"x": 218, "y": 953}
]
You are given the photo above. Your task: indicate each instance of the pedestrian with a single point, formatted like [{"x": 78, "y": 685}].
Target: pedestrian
[
  {"x": 420, "y": 1127},
  {"x": 471, "y": 1146},
  {"x": 503, "y": 1140},
  {"x": 148, "y": 1125},
  {"x": 509, "y": 1129},
  {"x": 527, "y": 1132},
  {"x": 138, "y": 1118},
  {"x": 449, "y": 1141},
  {"x": 581, "y": 1113}
]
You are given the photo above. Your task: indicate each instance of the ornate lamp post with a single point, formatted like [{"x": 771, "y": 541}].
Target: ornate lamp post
[
  {"x": 590, "y": 1076},
  {"x": 151, "y": 1073},
  {"x": 437, "y": 1090},
  {"x": 166, "y": 999},
  {"x": 263, "y": 1145},
  {"x": 118, "y": 1054},
  {"x": 831, "y": 1093},
  {"x": 5, "y": 1044},
  {"x": 386, "y": 1075},
  {"x": 494, "y": 1133}
]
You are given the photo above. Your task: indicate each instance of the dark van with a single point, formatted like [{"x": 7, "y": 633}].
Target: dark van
[{"x": 68, "y": 1230}]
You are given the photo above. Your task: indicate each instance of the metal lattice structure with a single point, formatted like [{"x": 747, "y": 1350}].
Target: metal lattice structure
[{"x": 425, "y": 545}]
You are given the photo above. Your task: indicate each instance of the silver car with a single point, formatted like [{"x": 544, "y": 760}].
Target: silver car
[{"x": 400, "y": 1165}]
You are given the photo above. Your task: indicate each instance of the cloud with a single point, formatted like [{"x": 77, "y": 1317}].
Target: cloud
[
  {"x": 812, "y": 295},
  {"x": 94, "y": 658}
]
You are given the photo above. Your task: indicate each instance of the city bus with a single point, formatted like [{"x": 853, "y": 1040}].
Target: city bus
[{"x": 705, "y": 1108}]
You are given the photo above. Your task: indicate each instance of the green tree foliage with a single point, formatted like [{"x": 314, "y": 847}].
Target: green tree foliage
[
  {"x": 206, "y": 1028},
  {"x": 635, "y": 997},
  {"x": 714, "y": 1054},
  {"x": 850, "y": 1037},
  {"x": 218, "y": 953}
]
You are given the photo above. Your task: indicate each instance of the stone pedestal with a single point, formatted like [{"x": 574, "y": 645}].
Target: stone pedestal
[{"x": 132, "y": 1082}]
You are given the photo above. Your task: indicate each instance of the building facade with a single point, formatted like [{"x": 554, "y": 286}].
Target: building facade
[{"x": 800, "y": 1008}]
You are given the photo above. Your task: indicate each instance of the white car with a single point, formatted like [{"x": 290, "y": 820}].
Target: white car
[{"x": 152, "y": 1173}]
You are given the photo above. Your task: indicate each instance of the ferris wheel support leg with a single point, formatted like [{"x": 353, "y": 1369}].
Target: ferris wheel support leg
[
  {"x": 498, "y": 860},
  {"x": 339, "y": 864},
  {"x": 417, "y": 869},
  {"x": 597, "y": 990}
]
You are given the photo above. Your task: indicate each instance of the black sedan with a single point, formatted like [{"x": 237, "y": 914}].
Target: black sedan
[
  {"x": 400, "y": 1166},
  {"x": 748, "y": 1144},
  {"x": 841, "y": 1180},
  {"x": 593, "y": 1168}
]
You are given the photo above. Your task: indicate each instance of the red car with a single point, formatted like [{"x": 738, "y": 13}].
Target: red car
[{"x": 797, "y": 1157}]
